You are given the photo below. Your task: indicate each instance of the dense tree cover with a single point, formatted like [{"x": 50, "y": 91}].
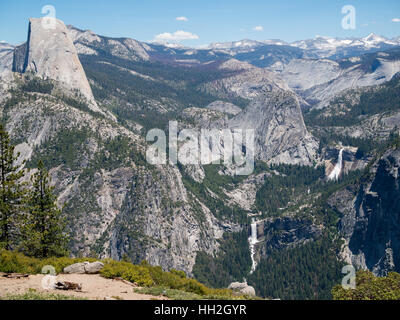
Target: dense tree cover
[
  {"x": 78, "y": 102},
  {"x": 12, "y": 191},
  {"x": 43, "y": 228},
  {"x": 158, "y": 81},
  {"x": 67, "y": 148},
  {"x": 29, "y": 218},
  {"x": 385, "y": 98},
  {"x": 116, "y": 152},
  {"x": 305, "y": 272},
  {"x": 370, "y": 287},
  {"x": 150, "y": 86},
  {"x": 292, "y": 180},
  {"x": 364, "y": 145},
  {"x": 232, "y": 263},
  {"x": 35, "y": 84}
]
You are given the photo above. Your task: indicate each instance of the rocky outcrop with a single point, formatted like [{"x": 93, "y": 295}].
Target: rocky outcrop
[
  {"x": 50, "y": 54},
  {"x": 242, "y": 288},
  {"x": 370, "y": 223},
  {"x": 224, "y": 107}
]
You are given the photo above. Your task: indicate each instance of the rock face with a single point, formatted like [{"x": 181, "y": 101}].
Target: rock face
[
  {"x": 280, "y": 132},
  {"x": 224, "y": 107},
  {"x": 242, "y": 288},
  {"x": 51, "y": 54},
  {"x": 371, "y": 217},
  {"x": 6, "y": 57},
  {"x": 160, "y": 224}
]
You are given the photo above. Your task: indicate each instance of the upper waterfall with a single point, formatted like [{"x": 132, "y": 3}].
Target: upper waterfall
[{"x": 334, "y": 175}]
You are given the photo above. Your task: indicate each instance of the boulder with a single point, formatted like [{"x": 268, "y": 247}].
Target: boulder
[
  {"x": 76, "y": 268},
  {"x": 93, "y": 268},
  {"x": 84, "y": 267},
  {"x": 242, "y": 288}
]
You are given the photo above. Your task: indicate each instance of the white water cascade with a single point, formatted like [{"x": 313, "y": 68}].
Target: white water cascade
[
  {"x": 252, "y": 242},
  {"x": 334, "y": 175}
]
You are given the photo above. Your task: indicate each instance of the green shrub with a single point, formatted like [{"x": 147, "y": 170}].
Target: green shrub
[
  {"x": 125, "y": 270},
  {"x": 179, "y": 273},
  {"x": 369, "y": 287},
  {"x": 15, "y": 262}
]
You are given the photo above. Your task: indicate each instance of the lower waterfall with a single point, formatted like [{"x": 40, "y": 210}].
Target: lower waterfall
[{"x": 252, "y": 242}]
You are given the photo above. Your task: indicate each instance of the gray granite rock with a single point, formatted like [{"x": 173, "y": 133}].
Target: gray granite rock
[
  {"x": 76, "y": 268},
  {"x": 242, "y": 288}
]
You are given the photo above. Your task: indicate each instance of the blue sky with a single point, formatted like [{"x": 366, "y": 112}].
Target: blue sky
[{"x": 205, "y": 21}]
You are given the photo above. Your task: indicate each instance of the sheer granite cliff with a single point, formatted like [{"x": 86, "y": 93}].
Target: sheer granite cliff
[
  {"x": 371, "y": 217},
  {"x": 50, "y": 54}
]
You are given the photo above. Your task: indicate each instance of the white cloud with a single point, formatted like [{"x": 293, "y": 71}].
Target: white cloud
[
  {"x": 396, "y": 20},
  {"x": 176, "y": 36},
  {"x": 258, "y": 28},
  {"x": 181, "y": 19}
]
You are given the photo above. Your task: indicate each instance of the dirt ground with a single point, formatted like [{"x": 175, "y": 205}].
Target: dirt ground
[{"x": 94, "y": 287}]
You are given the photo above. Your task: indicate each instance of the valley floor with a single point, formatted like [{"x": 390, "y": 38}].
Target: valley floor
[{"x": 94, "y": 287}]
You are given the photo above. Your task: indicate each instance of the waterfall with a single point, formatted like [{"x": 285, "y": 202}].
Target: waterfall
[
  {"x": 252, "y": 242},
  {"x": 334, "y": 175}
]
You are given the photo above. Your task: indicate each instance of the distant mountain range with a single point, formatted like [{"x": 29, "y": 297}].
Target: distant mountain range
[{"x": 259, "y": 53}]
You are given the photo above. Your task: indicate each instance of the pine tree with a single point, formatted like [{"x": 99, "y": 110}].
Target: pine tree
[
  {"x": 44, "y": 228},
  {"x": 12, "y": 191}
]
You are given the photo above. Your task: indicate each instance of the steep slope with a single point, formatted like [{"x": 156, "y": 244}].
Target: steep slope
[
  {"x": 371, "y": 217},
  {"x": 6, "y": 57},
  {"x": 86, "y": 42}
]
